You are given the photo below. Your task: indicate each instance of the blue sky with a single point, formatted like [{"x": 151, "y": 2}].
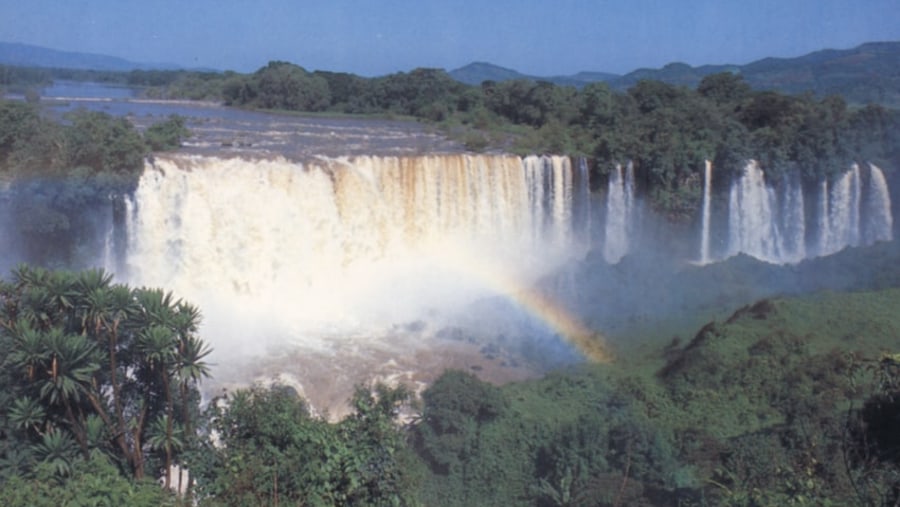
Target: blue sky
[{"x": 375, "y": 37}]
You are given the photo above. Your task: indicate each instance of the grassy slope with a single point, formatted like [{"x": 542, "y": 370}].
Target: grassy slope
[
  {"x": 738, "y": 385},
  {"x": 740, "y": 375}
]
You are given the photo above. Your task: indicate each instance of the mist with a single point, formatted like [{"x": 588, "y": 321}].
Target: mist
[{"x": 662, "y": 289}]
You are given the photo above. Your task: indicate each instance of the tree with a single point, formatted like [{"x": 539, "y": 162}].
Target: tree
[
  {"x": 726, "y": 89},
  {"x": 168, "y": 134},
  {"x": 349, "y": 93},
  {"x": 28, "y": 143},
  {"x": 455, "y": 406},
  {"x": 596, "y": 106},
  {"x": 283, "y": 85},
  {"x": 95, "y": 481},
  {"x": 103, "y": 143},
  {"x": 100, "y": 364},
  {"x": 271, "y": 450}
]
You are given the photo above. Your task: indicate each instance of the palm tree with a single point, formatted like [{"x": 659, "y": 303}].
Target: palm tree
[
  {"x": 15, "y": 461},
  {"x": 61, "y": 293},
  {"x": 29, "y": 352},
  {"x": 95, "y": 362},
  {"x": 165, "y": 435},
  {"x": 157, "y": 346},
  {"x": 36, "y": 307},
  {"x": 156, "y": 307},
  {"x": 191, "y": 370},
  {"x": 35, "y": 303},
  {"x": 191, "y": 352},
  {"x": 27, "y": 414},
  {"x": 72, "y": 363},
  {"x": 69, "y": 379},
  {"x": 57, "y": 450},
  {"x": 25, "y": 275},
  {"x": 103, "y": 308}
]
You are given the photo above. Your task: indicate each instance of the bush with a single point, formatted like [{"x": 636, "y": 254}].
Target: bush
[{"x": 168, "y": 134}]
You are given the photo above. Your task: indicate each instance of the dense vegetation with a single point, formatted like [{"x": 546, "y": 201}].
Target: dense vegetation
[
  {"x": 265, "y": 448},
  {"x": 56, "y": 173},
  {"x": 96, "y": 377},
  {"x": 774, "y": 406}
]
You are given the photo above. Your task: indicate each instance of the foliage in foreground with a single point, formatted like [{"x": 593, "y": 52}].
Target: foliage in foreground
[
  {"x": 269, "y": 450},
  {"x": 92, "y": 482},
  {"x": 787, "y": 402},
  {"x": 95, "y": 371}
]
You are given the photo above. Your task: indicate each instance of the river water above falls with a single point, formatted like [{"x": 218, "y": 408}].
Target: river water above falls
[{"x": 224, "y": 131}]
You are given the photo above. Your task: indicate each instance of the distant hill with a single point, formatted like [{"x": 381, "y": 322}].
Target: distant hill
[
  {"x": 26, "y": 55},
  {"x": 677, "y": 73},
  {"x": 478, "y": 72},
  {"x": 867, "y": 73}
]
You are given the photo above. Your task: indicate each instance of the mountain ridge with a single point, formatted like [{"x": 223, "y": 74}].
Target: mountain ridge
[
  {"x": 866, "y": 73},
  {"x": 477, "y": 72},
  {"x": 29, "y": 55}
]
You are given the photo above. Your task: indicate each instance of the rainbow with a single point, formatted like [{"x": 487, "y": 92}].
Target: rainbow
[
  {"x": 587, "y": 341},
  {"x": 560, "y": 320}
]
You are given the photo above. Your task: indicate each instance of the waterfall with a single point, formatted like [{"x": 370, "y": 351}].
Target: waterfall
[
  {"x": 619, "y": 213},
  {"x": 707, "y": 213},
  {"x": 346, "y": 241},
  {"x": 109, "y": 250},
  {"x": 842, "y": 225},
  {"x": 843, "y": 211},
  {"x": 853, "y": 214},
  {"x": 824, "y": 238},
  {"x": 763, "y": 222},
  {"x": 561, "y": 181},
  {"x": 771, "y": 225},
  {"x": 581, "y": 204},
  {"x": 751, "y": 216},
  {"x": 880, "y": 223},
  {"x": 793, "y": 220}
]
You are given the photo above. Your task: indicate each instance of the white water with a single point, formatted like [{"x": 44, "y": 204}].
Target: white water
[
  {"x": 880, "y": 221},
  {"x": 707, "y": 213},
  {"x": 752, "y": 224},
  {"x": 582, "y": 202},
  {"x": 771, "y": 225},
  {"x": 824, "y": 230},
  {"x": 843, "y": 223},
  {"x": 792, "y": 225},
  {"x": 343, "y": 244},
  {"x": 619, "y": 214}
]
